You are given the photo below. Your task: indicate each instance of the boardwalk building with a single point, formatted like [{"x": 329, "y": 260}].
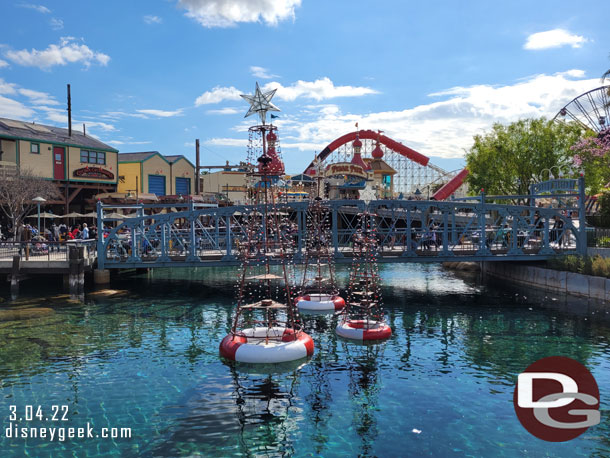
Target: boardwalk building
[
  {"x": 152, "y": 173},
  {"x": 80, "y": 165}
]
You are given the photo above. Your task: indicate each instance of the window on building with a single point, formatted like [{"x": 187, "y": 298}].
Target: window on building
[
  {"x": 387, "y": 180},
  {"x": 93, "y": 157},
  {"x": 35, "y": 148}
]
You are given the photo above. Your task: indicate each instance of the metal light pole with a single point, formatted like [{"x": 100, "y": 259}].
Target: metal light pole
[{"x": 38, "y": 201}]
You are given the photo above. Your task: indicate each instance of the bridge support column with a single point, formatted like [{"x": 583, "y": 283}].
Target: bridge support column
[
  {"x": 14, "y": 277},
  {"x": 76, "y": 277},
  {"x": 101, "y": 276}
]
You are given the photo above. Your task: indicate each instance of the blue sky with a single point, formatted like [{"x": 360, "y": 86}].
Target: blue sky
[{"x": 155, "y": 75}]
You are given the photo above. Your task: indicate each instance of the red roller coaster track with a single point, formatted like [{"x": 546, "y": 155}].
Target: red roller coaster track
[{"x": 398, "y": 147}]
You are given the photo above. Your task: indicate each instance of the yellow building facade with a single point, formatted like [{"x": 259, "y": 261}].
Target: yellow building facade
[
  {"x": 80, "y": 165},
  {"x": 231, "y": 184},
  {"x": 152, "y": 173}
]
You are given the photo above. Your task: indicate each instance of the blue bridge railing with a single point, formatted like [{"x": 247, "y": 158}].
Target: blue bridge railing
[{"x": 473, "y": 229}]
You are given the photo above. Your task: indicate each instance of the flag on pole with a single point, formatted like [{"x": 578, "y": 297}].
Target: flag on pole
[{"x": 274, "y": 116}]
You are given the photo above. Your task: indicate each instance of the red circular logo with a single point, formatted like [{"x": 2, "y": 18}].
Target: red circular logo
[{"x": 557, "y": 399}]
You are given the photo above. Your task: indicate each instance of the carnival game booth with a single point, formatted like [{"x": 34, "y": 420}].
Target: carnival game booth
[{"x": 363, "y": 317}]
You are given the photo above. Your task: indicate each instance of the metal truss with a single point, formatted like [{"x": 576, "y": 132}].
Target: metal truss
[{"x": 473, "y": 229}]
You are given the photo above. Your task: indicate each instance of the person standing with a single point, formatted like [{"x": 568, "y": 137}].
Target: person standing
[{"x": 85, "y": 232}]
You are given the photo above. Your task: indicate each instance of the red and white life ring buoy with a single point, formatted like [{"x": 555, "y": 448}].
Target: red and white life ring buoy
[
  {"x": 363, "y": 330},
  {"x": 267, "y": 345},
  {"x": 319, "y": 302}
]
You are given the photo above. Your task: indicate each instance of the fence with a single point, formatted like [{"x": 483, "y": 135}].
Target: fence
[{"x": 45, "y": 251}]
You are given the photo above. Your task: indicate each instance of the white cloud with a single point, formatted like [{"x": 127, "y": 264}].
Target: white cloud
[
  {"x": 39, "y": 98},
  {"x": 262, "y": 72},
  {"x": 218, "y": 94},
  {"x": 227, "y": 13},
  {"x": 555, "y": 38},
  {"x": 3, "y": 63},
  {"x": 13, "y": 109},
  {"x": 227, "y": 142},
  {"x": 56, "y": 24},
  {"x": 59, "y": 116},
  {"x": 114, "y": 115},
  {"x": 161, "y": 113},
  {"x": 7, "y": 88},
  {"x": 40, "y": 8},
  {"x": 62, "y": 54},
  {"x": 149, "y": 19},
  {"x": 224, "y": 111},
  {"x": 445, "y": 127},
  {"x": 320, "y": 89}
]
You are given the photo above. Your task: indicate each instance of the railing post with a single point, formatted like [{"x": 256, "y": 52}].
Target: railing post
[
  {"x": 546, "y": 248},
  {"x": 164, "y": 252},
  {"x": 192, "y": 257},
  {"x": 229, "y": 253},
  {"x": 582, "y": 217},
  {"x": 217, "y": 231},
  {"x": 101, "y": 253},
  {"x": 301, "y": 215},
  {"x": 335, "y": 226},
  {"x": 483, "y": 250},
  {"x": 408, "y": 235},
  {"x": 446, "y": 251}
]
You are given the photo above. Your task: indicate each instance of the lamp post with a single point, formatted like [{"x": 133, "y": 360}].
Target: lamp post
[{"x": 38, "y": 201}]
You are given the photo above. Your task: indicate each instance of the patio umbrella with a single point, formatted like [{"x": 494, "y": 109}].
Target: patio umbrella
[
  {"x": 113, "y": 215},
  {"x": 44, "y": 216},
  {"x": 90, "y": 215},
  {"x": 72, "y": 215}
]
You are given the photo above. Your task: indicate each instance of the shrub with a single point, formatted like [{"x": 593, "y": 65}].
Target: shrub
[
  {"x": 603, "y": 242},
  {"x": 600, "y": 267},
  {"x": 596, "y": 265}
]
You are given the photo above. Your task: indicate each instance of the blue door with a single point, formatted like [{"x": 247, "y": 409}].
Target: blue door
[
  {"x": 156, "y": 184},
  {"x": 183, "y": 186}
]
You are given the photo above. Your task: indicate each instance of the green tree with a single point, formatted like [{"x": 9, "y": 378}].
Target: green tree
[{"x": 511, "y": 157}]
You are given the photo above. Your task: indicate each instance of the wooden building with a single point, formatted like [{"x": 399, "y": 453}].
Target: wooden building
[
  {"x": 80, "y": 165},
  {"x": 151, "y": 172}
]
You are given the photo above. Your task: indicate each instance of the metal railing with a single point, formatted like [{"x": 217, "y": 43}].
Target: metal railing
[
  {"x": 40, "y": 250},
  {"x": 408, "y": 231}
]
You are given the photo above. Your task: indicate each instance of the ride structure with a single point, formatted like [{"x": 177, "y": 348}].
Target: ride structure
[
  {"x": 363, "y": 318},
  {"x": 266, "y": 327},
  {"x": 319, "y": 290}
]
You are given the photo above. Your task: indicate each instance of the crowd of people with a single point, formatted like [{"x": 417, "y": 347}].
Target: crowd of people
[{"x": 54, "y": 233}]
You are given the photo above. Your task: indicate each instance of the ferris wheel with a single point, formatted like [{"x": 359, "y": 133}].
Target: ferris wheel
[{"x": 591, "y": 110}]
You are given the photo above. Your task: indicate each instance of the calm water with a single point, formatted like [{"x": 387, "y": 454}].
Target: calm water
[{"x": 441, "y": 386}]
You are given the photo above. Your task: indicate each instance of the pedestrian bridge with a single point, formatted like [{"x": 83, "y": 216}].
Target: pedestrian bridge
[{"x": 480, "y": 228}]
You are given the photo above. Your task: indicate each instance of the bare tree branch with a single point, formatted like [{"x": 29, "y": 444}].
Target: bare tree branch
[{"x": 17, "y": 192}]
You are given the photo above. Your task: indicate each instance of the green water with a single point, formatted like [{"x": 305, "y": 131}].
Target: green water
[{"x": 148, "y": 360}]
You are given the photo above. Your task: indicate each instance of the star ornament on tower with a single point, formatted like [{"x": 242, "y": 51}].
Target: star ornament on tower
[{"x": 260, "y": 103}]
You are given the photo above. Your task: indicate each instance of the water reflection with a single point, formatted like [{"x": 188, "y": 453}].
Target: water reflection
[{"x": 147, "y": 358}]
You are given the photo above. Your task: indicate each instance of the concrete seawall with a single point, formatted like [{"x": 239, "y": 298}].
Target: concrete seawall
[{"x": 550, "y": 280}]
